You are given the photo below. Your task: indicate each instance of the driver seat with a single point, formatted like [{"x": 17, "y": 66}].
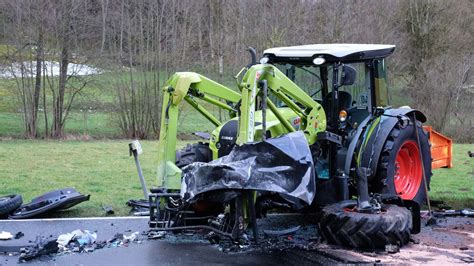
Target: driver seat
[{"x": 345, "y": 101}]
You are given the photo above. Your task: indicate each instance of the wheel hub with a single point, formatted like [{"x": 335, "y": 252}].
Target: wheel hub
[{"x": 408, "y": 173}]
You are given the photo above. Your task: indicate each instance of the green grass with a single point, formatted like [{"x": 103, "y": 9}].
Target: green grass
[
  {"x": 99, "y": 125},
  {"x": 100, "y": 168},
  {"x": 11, "y": 124},
  {"x": 455, "y": 185},
  {"x": 105, "y": 170}
]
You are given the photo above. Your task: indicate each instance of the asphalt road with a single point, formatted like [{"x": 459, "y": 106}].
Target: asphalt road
[
  {"x": 147, "y": 252},
  {"x": 450, "y": 241}
]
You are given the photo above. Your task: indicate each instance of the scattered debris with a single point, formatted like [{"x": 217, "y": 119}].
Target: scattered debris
[
  {"x": 141, "y": 213},
  {"x": 5, "y": 235},
  {"x": 108, "y": 210},
  {"x": 282, "y": 232},
  {"x": 138, "y": 203},
  {"x": 52, "y": 201},
  {"x": 431, "y": 221},
  {"x": 213, "y": 238},
  {"x": 83, "y": 237},
  {"x": 156, "y": 234},
  {"x": 468, "y": 259},
  {"x": 79, "y": 241},
  {"x": 140, "y": 207},
  {"x": 41, "y": 247},
  {"x": 467, "y": 212},
  {"x": 452, "y": 213},
  {"x": 19, "y": 235},
  {"x": 392, "y": 248},
  {"x": 131, "y": 237}
]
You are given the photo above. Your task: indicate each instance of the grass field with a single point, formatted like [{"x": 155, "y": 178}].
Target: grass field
[
  {"x": 455, "y": 186},
  {"x": 105, "y": 170},
  {"x": 100, "y": 168}
]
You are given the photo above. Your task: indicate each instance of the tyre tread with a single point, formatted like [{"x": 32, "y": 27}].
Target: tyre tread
[{"x": 359, "y": 230}]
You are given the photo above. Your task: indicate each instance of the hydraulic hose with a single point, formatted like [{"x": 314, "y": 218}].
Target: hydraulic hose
[
  {"x": 264, "y": 86},
  {"x": 253, "y": 55}
]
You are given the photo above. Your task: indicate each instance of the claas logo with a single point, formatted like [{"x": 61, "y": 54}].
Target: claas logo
[{"x": 296, "y": 121}]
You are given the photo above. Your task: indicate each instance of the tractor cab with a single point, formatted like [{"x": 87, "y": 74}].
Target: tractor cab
[{"x": 348, "y": 80}]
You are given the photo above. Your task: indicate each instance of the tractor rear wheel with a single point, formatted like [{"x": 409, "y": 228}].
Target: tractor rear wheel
[
  {"x": 342, "y": 225},
  {"x": 197, "y": 152},
  {"x": 400, "y": 168}
]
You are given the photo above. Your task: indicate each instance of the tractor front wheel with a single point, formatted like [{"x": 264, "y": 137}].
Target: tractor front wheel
[
  {"x": 400, "y": 169},
  {"x": 342, "y": 225}
]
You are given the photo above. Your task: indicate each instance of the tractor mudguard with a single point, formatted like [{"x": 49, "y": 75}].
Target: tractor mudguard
[
  {"x": 377, "y": 133},
  {"x": 283, "y": 165}
]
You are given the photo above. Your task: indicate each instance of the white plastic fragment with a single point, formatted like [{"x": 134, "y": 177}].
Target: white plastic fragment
[
  {"x": 83, "y": 237},
  {"x": 64, "y": 239},
  {"x": 131, "y": 237},
  {"x": 4, "y": 235}
]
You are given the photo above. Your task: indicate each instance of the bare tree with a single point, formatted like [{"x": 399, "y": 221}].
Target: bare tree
[{"x": 144, "y": 41}]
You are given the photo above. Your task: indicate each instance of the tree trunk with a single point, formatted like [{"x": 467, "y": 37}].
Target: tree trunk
[
  {"x": 39, "y": 64},
  {"x": 58, "y": 122}
]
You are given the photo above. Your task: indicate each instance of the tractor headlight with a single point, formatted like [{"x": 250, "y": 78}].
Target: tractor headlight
[
  {"x": 319, "y": 60},
  {"x": 264, "y": 60},
  {"x": 342, "y": 115}
]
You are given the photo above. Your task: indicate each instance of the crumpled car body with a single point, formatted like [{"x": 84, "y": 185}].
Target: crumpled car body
[
  {"x": 283, "y": 165},
  {"x": 60, "y": 199}
]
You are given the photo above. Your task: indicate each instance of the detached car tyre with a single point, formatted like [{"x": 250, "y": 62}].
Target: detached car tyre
[
  {"x": 9, "y": 203},
  {"x": 340, "y": 224}
]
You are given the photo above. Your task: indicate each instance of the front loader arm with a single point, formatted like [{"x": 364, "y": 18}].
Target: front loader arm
[
  {"x": 311, "y": 113},
  {"x": 186, "y": 86}
]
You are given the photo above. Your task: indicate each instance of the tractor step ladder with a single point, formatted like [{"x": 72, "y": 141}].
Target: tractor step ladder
[{"x": 441, "y": 149}]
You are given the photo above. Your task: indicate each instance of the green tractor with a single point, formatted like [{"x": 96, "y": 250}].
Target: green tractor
[{"x": 310, "y": 129}]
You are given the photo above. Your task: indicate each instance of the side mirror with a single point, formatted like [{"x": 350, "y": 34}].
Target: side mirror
[{"x": 348, "y": 75}]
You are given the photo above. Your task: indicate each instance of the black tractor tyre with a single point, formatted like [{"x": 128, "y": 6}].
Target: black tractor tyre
[
  {"x": 197, "y": 152},
  {"x": 9, "y": 203},
  {"x": 402, "y": 145},
  {"x": 341, "y": 225}
]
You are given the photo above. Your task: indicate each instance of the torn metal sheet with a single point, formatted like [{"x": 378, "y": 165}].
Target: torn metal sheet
[
  {"x": 55, "y": 200},
  {"x": 283, "y": 165}
]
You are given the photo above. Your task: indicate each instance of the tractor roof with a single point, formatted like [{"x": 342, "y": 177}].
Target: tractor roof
[{"x": 331, "y": 52}]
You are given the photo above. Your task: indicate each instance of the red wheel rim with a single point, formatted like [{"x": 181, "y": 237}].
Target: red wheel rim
[{"x": 408, "y": 172}]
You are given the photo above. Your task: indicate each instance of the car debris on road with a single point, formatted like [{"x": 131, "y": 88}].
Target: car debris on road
[
  {"x": 77, "y": 241},
  {"x": 61, "y": 199},
  {"x": 5, "y": 235}
]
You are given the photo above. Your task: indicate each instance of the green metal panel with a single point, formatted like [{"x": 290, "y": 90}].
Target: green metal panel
[
  {"x": 287, "y": 91},
  {"x": 302, "y": 113},
  {"x": 177, "y": 89}
]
